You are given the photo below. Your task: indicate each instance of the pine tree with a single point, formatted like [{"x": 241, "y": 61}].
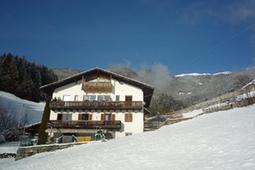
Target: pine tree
[{"x": 23, "y": 78}]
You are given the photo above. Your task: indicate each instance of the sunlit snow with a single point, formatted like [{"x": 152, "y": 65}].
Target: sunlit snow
[{"x": 222, "y": 140}]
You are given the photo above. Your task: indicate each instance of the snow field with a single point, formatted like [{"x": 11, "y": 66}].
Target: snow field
[{"x": 221, "y": 140}]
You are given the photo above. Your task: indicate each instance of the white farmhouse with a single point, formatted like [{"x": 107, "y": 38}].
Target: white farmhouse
[{"x": 97, "y": 102}]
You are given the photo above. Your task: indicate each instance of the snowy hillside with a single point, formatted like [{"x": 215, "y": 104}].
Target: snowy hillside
[
  {"x": 204, "y": 74},
  {"x": 222, "y": 140},
  {"x": 193, "y": 74},
  {"x": 249, "y": 84},
  {"x": 15, "y": 105}
]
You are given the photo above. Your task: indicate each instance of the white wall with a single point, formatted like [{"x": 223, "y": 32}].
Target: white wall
[
  {"x": 136, "y": 126},
  {"x": 119, "y": 88}
]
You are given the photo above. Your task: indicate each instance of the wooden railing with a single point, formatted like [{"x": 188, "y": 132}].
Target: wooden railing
[
  {"x": 97, "y": 87},
  {"x": 95, "y": 105},
  {"x": 85, "y": 124}
]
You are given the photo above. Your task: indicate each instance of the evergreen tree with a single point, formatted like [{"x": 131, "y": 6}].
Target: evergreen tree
[{"x": 23, "y": 78}]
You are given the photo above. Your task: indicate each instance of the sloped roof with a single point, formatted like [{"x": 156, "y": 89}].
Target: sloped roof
[{"x": 147, "y": 89}]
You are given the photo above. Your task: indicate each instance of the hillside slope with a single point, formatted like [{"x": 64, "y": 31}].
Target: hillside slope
[
  {"x": 221, "y": 140},
  {"x": 21, "y": 108}
]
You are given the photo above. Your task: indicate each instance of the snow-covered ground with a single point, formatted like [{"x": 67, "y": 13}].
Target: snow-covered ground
[
  {"x": 245, "y": 95},
  {"x": 222, "y": 140},
  {"x": 6, "y": 162},
  {"x": 20, "y": 107},
  {"x": 9, "y": 147},
  {"x": 192, "y": 114}
]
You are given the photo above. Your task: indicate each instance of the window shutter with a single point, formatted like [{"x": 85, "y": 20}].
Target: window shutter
[
  {"x": 113, "y": 117},
  {"x": 59, "y": 117},
  {"x": 80, "y": 117},
  {"x": 102, "y": 117},
  {"x": 128, "y": 117},
  {"x": 90, "y": 116}
]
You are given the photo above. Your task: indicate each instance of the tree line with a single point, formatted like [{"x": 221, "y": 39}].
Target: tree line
[{"x": 23, "y": 78}]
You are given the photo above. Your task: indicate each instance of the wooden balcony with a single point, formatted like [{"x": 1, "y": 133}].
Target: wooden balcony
[
  {"x": 96, "y": 105},
  {"x": 97, "y": 87},
  {"x": 85, "y": 124}
]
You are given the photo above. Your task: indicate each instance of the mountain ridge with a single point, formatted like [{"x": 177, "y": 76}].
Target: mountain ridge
[{"x": 190, "y": 88}]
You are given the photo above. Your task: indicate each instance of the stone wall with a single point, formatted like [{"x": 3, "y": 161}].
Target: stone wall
[{"x": 27, "y": 151}]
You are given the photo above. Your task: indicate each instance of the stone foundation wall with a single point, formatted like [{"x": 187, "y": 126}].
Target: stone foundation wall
[{"x": 27, "y": 151}]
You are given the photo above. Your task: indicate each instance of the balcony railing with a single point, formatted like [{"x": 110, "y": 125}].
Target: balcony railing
[
  {"x": 97, "y": 87},
  {"x": 96, "y": 105},
  {"x": 85, "y": 124}
]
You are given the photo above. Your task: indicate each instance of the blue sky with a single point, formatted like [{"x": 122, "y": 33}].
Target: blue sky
[{"x": 184, "y": 35}]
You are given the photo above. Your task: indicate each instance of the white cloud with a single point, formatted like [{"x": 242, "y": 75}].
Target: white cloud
[
  {"x": 242, "y": 10},
  {"x": 234, "y": 11}
]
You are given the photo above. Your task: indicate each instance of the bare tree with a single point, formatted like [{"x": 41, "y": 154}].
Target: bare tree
[{"x": 7, "y": 120}]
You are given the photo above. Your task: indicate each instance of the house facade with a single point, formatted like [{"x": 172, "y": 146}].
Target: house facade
[{"x": 96, "y": 101}]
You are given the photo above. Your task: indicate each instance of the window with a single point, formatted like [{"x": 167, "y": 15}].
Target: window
[
  {"x": 128, "y": 134},
  {"x": 107, "y": 117},
  {"x": 89, "y": 97},
  {"x": 100, "y": 98},
  {"x": 66, "y": 98},
  {"x": 66, "y": 117},
  {"x": 76, "y": 98},
  {"x": 117, "y": 98},
  {"x": 85, "y": 117},
  {"x": 107, "y": 98},
  {"x": 128, "y": 117},
  {"x": 128, "y": 98},
  {"x": 104, "y": 98},
  {"x": 85, "y": 98},
  {"x": 92, "y": 97}
]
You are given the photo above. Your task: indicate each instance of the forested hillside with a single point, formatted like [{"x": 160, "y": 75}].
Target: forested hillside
[{"x": 23, "y": 78}]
